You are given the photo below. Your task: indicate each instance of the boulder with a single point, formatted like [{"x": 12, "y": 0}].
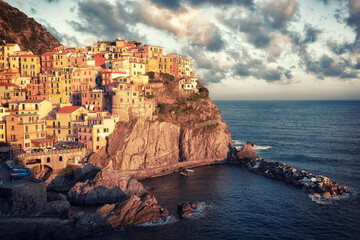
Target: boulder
[
  {"x": 56, "y": 208},
  {"x": 109, "y": 186},
  {"x": 186, "y": 209},
  {"x": 247, "y": 152},
  {"x": 134, "y": 210}
]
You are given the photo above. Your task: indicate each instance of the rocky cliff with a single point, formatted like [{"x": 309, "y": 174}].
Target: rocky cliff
[
  {"x": 187, "y": 132},
  {"x": 16, "y": 27}
]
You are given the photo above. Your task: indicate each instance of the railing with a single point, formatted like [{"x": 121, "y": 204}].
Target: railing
[{"x": 48, "y": 151}]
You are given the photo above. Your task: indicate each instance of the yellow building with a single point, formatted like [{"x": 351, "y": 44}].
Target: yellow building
[
  {"x": 29, "y": 65},
  {"x": 2, "y": 131},
  {"x": 95, "y": 131},
  {"x": 61, "y": 60},
  {"x": 3, "y": 115},
  {"x": 64, "y": 127},
  {"x": 152, "y": 65},
  {"x": 39, "y": 107},
  {"x": 188, "y": 85}
]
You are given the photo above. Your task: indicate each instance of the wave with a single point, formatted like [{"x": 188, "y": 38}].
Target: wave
[
  {"x": 168, "y": 220},
  {"x": 199, "y": 211},
  {"x": 238, "y": 145},
  {"x": 256, "y": 147},
  {"x": 325, "y": 200}
]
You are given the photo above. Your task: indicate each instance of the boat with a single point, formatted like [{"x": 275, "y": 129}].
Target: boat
[
  {"x": 189, "y": 170},
  {"x": 21, "y": 169},
  {"x": 19, "y": 175},
  {"x": 184, "y": 174},
  {"x": 10, "y": 164}
]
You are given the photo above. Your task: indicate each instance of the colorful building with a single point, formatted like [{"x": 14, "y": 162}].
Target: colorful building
[
  {"x": 29, "y": 65},
  {"x": 21, "y": 129},
  {"x": 40, "y": 108},
  {"x": 64, "y": 127},
  {"x": 95, "y": 131}
]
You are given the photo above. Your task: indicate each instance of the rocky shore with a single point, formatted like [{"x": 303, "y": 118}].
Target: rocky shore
[{"x": 318, "y": 184}]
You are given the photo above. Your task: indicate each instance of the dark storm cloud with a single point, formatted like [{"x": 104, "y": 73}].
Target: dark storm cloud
[
  {"x": 106, "y": 20},
  {"x": 177, "y": 4}
]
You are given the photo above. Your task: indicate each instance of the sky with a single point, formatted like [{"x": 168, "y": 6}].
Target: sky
[{"x": 242, "y": 49}]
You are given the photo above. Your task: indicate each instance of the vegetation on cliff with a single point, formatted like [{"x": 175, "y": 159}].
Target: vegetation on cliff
[{"x": 17, "y": 27}]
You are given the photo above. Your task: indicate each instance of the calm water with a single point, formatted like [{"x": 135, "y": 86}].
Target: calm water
[{"x": 322, "y": 137}]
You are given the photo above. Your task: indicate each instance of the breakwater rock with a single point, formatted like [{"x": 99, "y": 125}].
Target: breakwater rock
[
  {"x": 308, "y": 181},
  {"x": 186, "y": 209}
]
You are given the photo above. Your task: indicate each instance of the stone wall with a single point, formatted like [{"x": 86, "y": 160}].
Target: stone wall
[
  {"x": 56, "y": 160},
  {"x": 23, "y": 201}
]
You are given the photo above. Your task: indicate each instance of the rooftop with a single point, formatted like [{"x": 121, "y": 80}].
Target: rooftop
[{"x": 68, "y": 109}]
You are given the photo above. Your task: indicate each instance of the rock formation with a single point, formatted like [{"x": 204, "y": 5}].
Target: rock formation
[
  {"x": 135, "y": 210},
  {"x": 108, "y": 186},
  {"x": 302, "y": 179},
  {"x": 186, "y": 209},
  {"x": 247, "y": 152},
  {"x": 143, "y": 144}
]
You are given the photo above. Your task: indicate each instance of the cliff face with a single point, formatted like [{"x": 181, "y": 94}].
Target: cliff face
[
  {"x": 186, "y": 132},
  {"x": 16, "y": 27},
  {"x": 145, "y": 144}
]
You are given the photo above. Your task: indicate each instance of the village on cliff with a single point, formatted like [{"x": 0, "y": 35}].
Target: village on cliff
[{"x": 73, "y": 97}]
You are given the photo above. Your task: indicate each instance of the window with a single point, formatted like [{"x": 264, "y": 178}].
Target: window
[
  {"x": 48, "y": 159},
  {"x": 60, "y": 159}
]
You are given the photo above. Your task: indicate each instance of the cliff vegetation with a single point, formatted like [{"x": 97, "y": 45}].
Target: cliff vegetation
[{"x": 17, "y": 27}]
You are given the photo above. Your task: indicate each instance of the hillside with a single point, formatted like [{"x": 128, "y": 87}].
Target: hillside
[{"x": 17, "y": 27}]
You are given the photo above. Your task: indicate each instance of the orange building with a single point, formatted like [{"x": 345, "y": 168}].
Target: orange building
[{"x": 21, "y": 129}]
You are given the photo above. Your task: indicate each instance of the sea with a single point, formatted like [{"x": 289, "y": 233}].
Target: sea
[{"x": 321, "y": 137}]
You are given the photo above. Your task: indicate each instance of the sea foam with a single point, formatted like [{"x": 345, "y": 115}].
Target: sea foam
[{"x": 168, "y": 220}]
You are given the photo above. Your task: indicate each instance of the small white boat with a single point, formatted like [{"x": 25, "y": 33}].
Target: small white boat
[{"x": 189, "y": 170}]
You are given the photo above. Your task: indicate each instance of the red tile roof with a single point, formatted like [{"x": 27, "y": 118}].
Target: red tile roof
[
  {"x": 8, "y": 84},
  {"x": 68, "y": 109},
  {"x": 29, "y": 55}
]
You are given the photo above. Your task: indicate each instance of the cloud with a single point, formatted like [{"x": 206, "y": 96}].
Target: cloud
[
  {"x": 329, "y": 67},
  {"x": 175, "y": 5},
  {"x": 64, "y": 39},
  {"x": 107, "y": 20},
  {"x": 311, "y": 34},
  {"x": 261, "y": 23},
  {"x": 279, "y": 13},
  {"x": 354, "y": 18},
  {"x": 190, "y": 23},
  {"x": 33, "y": 11}
]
